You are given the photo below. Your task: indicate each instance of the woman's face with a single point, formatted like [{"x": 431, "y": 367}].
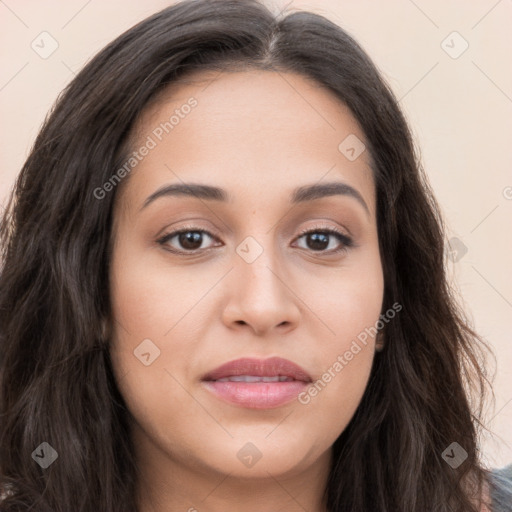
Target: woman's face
[{"x": 241, "y": 281}]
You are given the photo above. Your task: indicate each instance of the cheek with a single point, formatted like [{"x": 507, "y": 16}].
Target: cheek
[
  {"x": 162, "y": 412},
  {"x": 157, "y": 329},
  {"x": 336, "y": 392},
  {"x": 149, "y": 297},
  {"x": 349, "y": 310},
  {"x": 345, "y": 301},
  {"x": 345, "y": 360}
]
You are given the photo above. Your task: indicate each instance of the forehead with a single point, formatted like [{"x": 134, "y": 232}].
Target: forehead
[
  {"x": 248, "y": 131},
  {"x": 264, "y": 102}
]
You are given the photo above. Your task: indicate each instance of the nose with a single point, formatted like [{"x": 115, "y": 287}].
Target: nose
[{"x": 262, "y": 295}]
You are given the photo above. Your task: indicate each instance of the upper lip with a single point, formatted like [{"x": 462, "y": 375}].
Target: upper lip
[{"x": 271, "y": 367}]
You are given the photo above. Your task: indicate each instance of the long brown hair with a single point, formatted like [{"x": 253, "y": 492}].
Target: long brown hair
[{"x": 426, "y": 388}]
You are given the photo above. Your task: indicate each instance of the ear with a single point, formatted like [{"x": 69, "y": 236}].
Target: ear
[
  {"x": 105, "y": 331},
  {"x": 379, "y": 341}
]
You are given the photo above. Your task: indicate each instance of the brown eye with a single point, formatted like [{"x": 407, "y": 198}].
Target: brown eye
[
  {"x": 186, "y": 240},
  {"x": 190, "y": 240},
  {"x": 318, "y": 239}
]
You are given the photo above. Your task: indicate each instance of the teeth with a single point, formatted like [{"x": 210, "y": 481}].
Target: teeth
[{"x": 254, "y": 378}]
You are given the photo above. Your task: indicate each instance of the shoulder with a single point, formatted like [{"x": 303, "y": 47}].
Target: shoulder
[{"x": 500, "y": 489}]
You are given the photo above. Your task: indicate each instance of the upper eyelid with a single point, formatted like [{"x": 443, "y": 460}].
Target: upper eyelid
[
  {"x": 343, "y": 238},
  {"x": 183, "y": 229}
]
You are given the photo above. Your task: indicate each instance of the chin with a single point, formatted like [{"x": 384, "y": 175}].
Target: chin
[{"x": 255, "y": 456}]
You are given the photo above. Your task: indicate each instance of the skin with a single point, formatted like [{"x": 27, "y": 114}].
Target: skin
[{"x": 257, "y": 134}]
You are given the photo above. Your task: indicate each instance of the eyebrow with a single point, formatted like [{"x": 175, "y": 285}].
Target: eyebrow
[{"x": 299, "y": 195}]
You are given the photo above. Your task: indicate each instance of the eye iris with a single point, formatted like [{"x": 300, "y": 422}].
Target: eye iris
[
  {"x": 188, "y": 239},
  {"x": 191, "y": 240},
  {"x": 320, "y": 240}
]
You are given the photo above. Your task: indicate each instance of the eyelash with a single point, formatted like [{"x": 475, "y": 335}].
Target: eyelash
[{"x": 346, "y": 242}]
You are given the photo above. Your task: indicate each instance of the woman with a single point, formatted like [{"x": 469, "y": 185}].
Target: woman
[{"x": 224, "y": 283}]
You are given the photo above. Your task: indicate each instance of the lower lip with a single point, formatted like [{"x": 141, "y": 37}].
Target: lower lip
[{"x": 257, "y": 395}]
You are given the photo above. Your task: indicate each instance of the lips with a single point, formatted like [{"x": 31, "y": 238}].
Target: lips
[
  {"x": 257, "y": 383},
  {"x": 264, "y": 369}
]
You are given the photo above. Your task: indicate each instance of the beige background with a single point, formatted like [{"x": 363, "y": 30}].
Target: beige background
[{"x": 459, "y": 109}]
